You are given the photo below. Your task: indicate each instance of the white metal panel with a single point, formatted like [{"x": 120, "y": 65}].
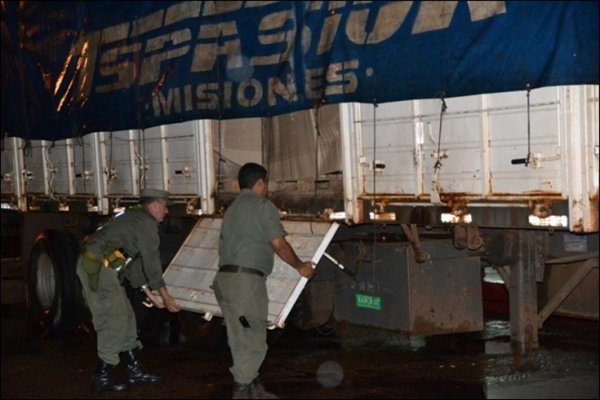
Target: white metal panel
[
  {"x": 235, "y": 142},
  {"x": 480, "y": 136},
  {"x": 182, "y": 164},
  {"x": 405, "y": 136},
  {"x": 351, "y": 136},
  {"x": 239, "y": 141},
  {"x": 173, "y": 157},
  {"x": 304, "y": 143},
  {"x": 11, "y": 176},
  {"x": 205, "y": 161},
  {"x": 581, "y": 142},
  {"x": 460, "y": 145},
  {"x": 119, "y": 162},
  {"x": 153, "y": 152},
  {"x": 592, "y": 127},
  {"x": 57, "y": 158},
  {"x": 391, "y": 129},
  {"x": 508, "y": 141},
  {"x": 59, "y": 169},
  {"x": 105, "y": 165},
  {"x": 192, "y": 270},
  {"x": 83, "y": 166},
  {"x": 35, "y": 162}
]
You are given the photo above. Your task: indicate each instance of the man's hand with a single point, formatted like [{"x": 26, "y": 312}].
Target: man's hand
[
  {"x": 171, "y": 304},
  {"x": 307, "y": 269},
  {"x": 285, "y": 251},
  {"x": 153, "y": 299},
  {"x": 168, "y": 301}
]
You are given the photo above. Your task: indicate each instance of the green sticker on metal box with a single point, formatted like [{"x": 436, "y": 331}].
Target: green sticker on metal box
[{"x": 366, "y": 301}]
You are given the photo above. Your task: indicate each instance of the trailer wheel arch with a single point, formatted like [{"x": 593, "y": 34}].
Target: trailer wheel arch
[{"x": 52, "y": 284}]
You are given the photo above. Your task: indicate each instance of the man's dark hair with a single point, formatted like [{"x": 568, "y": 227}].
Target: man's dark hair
[{"x": 250, "y": 173}]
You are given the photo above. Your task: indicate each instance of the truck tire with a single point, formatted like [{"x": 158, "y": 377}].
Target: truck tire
[{"x": 52, "y": 284}]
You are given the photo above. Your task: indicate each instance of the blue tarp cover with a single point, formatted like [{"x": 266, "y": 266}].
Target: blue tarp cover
[{"x": 71, "y": 68}]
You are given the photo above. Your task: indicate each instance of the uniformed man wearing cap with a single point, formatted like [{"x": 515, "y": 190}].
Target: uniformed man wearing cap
[{"x": 124, "y": 249}]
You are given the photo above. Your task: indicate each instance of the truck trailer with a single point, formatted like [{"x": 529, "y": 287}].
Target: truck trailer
[{"x": 405, "y": 192}]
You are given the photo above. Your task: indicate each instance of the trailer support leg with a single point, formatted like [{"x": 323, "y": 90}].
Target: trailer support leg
[{"x": 523, "y": 301}]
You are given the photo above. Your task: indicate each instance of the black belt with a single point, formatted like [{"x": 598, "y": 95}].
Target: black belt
[{"x": 237, "y": 268}]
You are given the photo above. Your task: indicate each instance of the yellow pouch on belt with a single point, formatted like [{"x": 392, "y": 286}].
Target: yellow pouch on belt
[{"x": 117, "y": 260}]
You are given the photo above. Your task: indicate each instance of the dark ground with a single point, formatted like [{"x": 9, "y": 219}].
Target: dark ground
[{"x": 353, "y": 362}]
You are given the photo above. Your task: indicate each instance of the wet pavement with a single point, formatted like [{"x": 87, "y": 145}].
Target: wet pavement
[{"x": 348, "y": 362}]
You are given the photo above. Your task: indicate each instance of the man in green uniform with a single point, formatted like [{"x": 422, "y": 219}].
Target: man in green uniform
[
  {"x": 251, "y": 233},
  {"x": 125, "y": 248}
]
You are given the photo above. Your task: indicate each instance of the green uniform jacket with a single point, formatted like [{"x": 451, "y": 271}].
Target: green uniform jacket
[
  {"x": 136, "y": 232},
  {"x": 249, "y": 226}
]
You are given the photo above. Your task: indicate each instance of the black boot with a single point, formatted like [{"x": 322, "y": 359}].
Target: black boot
[
  {"x": 104, "y": 380},
  {"x": 134, "y": 369},
  {"x": 257, "y": 391},
  {"x": 241, "y": 391}
]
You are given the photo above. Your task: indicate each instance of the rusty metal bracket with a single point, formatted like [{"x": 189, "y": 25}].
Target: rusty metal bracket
[
  {"x": 467, "y": 236},
  {"x": 413, "y": 237}
]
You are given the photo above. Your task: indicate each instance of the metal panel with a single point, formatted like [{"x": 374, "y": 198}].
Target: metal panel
[
  {"x": 11, "y": 153},
  {"x": 581, "y": 141},
  {"x": 58, "y": 165},
  {"x": 445, "y": 292},
  {"x": 508, "y": 140},
  {"x": 181, "y": 149},
  {"x": 170, "y": 157},
  {"x": 392, "y": 150},
  {"x": 49, "y": 167},
  {"x": 460, "y": 146},
  {"x": 34, "y": 162},
  {"x": 120, "y": 162},
  {"x": 381, "y": 276},
  {"x": 153, "y": 152},
  {"x": 192, "y": 270},
  {"x": 239, "y": 141},
  {"x": 83, "y": 166},
  {"x": 105, "y": 165},
  {"x": 404, "y": 131},
  {"x": 390, "y": 129}
]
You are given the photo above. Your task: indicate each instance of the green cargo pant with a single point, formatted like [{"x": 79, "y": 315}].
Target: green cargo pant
[
  {"x": 242, "y": 294},
  {"x": 113, "y": 316}
]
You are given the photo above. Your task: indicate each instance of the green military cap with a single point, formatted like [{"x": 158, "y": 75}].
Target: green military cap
[{"x": 153, "y": 194}]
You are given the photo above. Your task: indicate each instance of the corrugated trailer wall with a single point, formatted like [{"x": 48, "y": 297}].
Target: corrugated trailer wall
[{"x": 476, "y": 160}]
